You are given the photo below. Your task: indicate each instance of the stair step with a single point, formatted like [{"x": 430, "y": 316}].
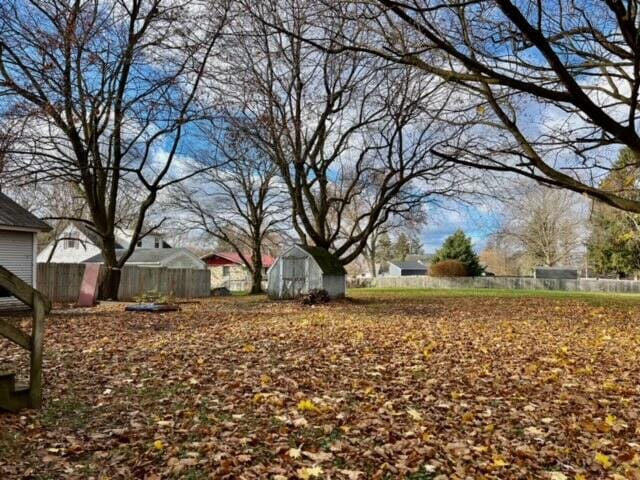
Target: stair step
[{"x": 12, "y": 397}]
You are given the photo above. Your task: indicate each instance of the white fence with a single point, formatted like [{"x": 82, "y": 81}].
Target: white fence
[{"x": 509, "y": 283}]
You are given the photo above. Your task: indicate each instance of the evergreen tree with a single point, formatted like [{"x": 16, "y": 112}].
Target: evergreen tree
[
  {"x": 402, "y": 247},
  {"x": 385, "y": 248},
  {"x": 614, "y": 244},
  {"x": 459, "y": 247},
  {"x": 416, "y": 246}
]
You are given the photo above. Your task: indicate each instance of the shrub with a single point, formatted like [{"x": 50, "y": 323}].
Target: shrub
[
  {"x": 448, "y": 268},
  {"x": 315, "y": 296}
]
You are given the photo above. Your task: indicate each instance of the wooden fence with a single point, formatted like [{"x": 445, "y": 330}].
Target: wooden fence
[
  {"x": 61, "y": 281},
  {"x": 509, "y": 283}
]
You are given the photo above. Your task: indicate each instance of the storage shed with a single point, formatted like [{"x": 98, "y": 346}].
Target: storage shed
[
  {"x": 302, "y": 268},
  {"x": 556, "y": 273},
  {"x": 18, "y": 245}
]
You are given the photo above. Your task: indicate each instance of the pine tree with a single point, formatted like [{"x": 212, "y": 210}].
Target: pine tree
[
  {"x": 385, "y": 248},
  {"x": 416, "y": 245},
  {"x": 614, "y": 243},
  {"x": 458, "y": 246},
  {"x": 402, "y": 247}
]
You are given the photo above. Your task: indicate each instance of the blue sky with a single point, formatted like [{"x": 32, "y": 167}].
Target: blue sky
[{"x": 476, "y": 220}]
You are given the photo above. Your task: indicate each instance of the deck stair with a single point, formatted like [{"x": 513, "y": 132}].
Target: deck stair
[{"x": 14, "y": 397}]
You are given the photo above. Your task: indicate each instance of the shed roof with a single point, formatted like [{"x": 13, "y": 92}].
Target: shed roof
[
  {"x": 408, "y": 264},
  {"x": 233, "y": 257},
  {"x": 329, "y": 264},
  {"x": 13, "y": 215}
]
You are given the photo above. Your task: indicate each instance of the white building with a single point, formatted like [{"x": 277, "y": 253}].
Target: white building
[
  {"x": 157, "y": 257},
  {"x": 302, "y": 268},
  {"x": 18, "y": 244},
  {"x": 76, "y": 243}
]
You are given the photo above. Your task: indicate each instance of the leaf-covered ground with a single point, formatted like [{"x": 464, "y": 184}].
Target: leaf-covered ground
[{"x": 380, "y": 386}]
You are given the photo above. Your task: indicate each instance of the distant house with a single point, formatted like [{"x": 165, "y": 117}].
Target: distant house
[
  {"x": 228, "y": 270},
  {"x": 18, "y": 244},
  {"x": 157, "y": 257},
  {"x": 411, "y": 265},
  {"x": 402, "y": 268},
  {"x": 302, "y": 268},
  {"x": 77, "y": 242}
]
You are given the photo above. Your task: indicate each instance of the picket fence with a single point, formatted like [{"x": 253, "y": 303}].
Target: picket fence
[
  {"x": 508, "y": 283},
  {"x": 61, "y": 281}
]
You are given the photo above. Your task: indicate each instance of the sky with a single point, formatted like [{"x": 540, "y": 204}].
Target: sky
[{"x": 477, "y": 221}]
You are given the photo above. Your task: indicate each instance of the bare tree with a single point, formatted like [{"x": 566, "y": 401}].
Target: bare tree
[
  {"x": 109, "y": 89},
  {"x": 548, "y": 86},
  {"x": 337, "y": 126},
  {"x": 241, "y": 203},
  {"x": 544, "y": 226}
]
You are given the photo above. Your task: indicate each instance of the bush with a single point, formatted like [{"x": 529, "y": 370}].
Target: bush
[
  {"x": 448, "y": 268},
  {"x": 315, "y": 296}
]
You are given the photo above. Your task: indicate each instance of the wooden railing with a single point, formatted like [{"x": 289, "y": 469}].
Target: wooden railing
[{"x": 40, "y": 306}]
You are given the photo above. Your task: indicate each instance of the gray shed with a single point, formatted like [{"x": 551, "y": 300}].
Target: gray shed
[
  {"x": 302, "y": 268},
  {"x": 18, "y": 245},
  {"x": 558, "y": 273}
]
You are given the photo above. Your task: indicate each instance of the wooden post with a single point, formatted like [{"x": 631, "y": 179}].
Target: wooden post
[
  {"x": 37, "y": 339},
  {"x": 40, "y": 306}
]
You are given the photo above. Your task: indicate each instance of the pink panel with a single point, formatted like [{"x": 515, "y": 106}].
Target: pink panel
[{"x": 89, "y": 288}]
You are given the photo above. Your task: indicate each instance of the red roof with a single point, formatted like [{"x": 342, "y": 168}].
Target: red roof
[{"x": 227, "y": 258}]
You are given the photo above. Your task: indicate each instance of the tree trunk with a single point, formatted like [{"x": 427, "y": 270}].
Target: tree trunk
[
  {"x": 256, "y": 277},
  {"x": 256, "y": 280},
  {"x": 111, "y": 280},
  {"x": 372, "y": 259},
  {"x": 110, "y": 283}
]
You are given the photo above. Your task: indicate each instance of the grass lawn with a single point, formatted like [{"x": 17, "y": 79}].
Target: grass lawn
[{"x": 406, "y": 384}]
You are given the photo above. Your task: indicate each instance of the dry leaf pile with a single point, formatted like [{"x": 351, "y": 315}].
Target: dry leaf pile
[{"x": 244, "y": 388}]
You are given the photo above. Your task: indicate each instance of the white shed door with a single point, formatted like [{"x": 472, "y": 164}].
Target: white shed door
[
  {"x": 16, "y": 255},
  {"x": 294, "y": 276}
]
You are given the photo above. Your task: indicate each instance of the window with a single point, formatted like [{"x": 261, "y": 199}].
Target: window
[
  {"x": 139, "y": 243},
  {"x": 71, "y": 241},
  {"x": 225, "y": 271},
  {"x": 156, "y": 242}
]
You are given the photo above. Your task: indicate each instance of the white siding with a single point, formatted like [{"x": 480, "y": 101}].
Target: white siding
[
  {"x": 77, "y": 254},
  {"x": 16, "y": 255},
  {"x": 335, "y": 285}
]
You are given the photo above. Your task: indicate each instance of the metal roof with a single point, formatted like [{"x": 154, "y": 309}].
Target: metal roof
[
  {"x": 13, "y": 215},
  {"x": 408, "y": 265}
]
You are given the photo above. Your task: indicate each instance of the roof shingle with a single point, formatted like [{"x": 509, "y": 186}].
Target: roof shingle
[{"x": 13, "y": 215}]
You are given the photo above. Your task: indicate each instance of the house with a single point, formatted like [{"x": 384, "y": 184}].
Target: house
[
  {"x": 228, "y": 270},
  {"x": 18, "y": 244},
  {"x": 77, "y": 242},
  {"x": 403, "y": 268},
  {"x": 157, "y": 258},
  {"x": 302, "y": 268},
  {"x": 411, "y": 265}
]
